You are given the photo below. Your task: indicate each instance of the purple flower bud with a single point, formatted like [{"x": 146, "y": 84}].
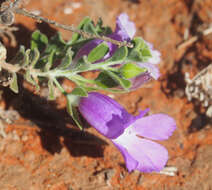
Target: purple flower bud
[
  {"x": 131, "y": 135},
  {"x": 139, "y": 80},
  {"x": 125, "y": 31},
  {"x": 104, "y": 114},
  {"x": 152, "y": 62},
  {"x": 124, "y": 27}
]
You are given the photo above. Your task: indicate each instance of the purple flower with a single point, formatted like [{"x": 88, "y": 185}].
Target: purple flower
[
  {"x": 139, "y": 80},
  {"x": 154, "y": 60},
  {"x": 132, "y": 135},
  {"x": 152, "y": 70},
  {"x": 125, "y": 31}
]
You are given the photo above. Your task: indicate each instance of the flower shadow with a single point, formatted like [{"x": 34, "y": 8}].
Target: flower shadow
[
  {"x": 57, "y": 129},
  {"x": 199, "y": 122}
]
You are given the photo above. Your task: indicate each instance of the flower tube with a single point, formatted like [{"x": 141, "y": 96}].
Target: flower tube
[{"x": 132, "y": 135}]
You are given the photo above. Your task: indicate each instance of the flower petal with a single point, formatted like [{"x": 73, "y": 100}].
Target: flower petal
[
  {"x": 138, "y": 81},
  {"x": 156, "y": 126},
  {"x": 130, "y": 162},
  {"x": 152, "y": 69},
  {"x": 150, "y": 156},
  {"x": 155, "y": 59},
  {"x": 141, "y": 114},
  {"x": 124, "y": 27}
]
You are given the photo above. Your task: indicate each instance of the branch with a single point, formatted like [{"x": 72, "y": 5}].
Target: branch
[
  {"x": 7, "y": 18},
  {"x": 71, "y": 28},
  {"x": 9, "y": 67}
]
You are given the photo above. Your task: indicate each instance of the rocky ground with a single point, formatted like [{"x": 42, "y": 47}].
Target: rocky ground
[{"x": 40, "y": 148}]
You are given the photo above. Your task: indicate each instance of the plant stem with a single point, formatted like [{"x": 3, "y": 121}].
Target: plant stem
[
  {"x": 59, "y": 86},
  {"x": 71, "y": 28},
  {"x": 9, "y": 67}
]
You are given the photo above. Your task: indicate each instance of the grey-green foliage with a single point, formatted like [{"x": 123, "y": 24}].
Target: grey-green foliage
[{"x": 50, "y": 59}]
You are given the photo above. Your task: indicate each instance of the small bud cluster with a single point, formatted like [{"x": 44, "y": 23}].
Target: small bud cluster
[{"x": 200, "y": 87}]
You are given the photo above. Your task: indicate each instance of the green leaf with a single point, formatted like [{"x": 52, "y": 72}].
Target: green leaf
[
  {"x": 98, "y": 52},
  {"x": 135, "y": 56},
  {"x": 119, "y": 55},
  {"x": 49, "y": 63},
  {"x": 79, "y": 91},
  {"x": 34, "y": 56},
  {"x": 81, "y": 81},
  {"x": 76, "y": 36},
  {"x": 105, "y": 81},
  {"x": 71, "y": 101},
  {"x": 51, "y": 88},
  {"x": 67, "y": 60},
  {"x": 55, "y": 50},
  {"x": 14, "y": 83},
  {"x": 123, "y": 82},
  {"x": 57, "y": 44},
  {"x": 38, "y": 40},
  {"x": 83, "y": 65},
  {"x": 31, "y": 80},
  {"x": 140, "y": 52},
  {"x": 87, "y": 25},
  {"x": 102, "y": 30},
  {"x": 130, "y": 70},
  {"x": 146, "y": 54},
  {"x": 89, "y": 28},
  {"x": 26, "y": 58},
  {"x": 138, "y": 43},
  {"x": 19, "y": 57}
]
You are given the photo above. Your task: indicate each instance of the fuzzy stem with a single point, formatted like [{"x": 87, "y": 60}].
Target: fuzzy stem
[
  {"x": 59, "y": 86},
  {"x": 71, "y": 28}
]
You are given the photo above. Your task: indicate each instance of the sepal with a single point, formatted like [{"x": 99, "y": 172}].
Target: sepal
[
  {"x": 72, "y": 100},
  {"x": 38, "y": 40},
  {"x": 130, "y": 70}
]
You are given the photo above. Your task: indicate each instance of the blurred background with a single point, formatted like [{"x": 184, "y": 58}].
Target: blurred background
[{"x": 41, "y": 148}]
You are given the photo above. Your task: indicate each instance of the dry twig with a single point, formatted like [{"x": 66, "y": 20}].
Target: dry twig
[
  {"x": 7, "y": 18},
  {"x": 195, "y": 38},
  {"x": 6, "y": 31}
]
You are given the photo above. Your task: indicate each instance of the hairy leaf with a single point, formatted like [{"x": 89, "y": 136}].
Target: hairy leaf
[
  {"x": 14, "y": 83},
  {"x": 38, "y": 40},
  {"x": 130, "y": 70},
  {"x": 72, "y": 110},
  {"x": 98, "y": 52},
  {"x": 79, "y": 91},
  {"x": 51, "y": 88}
]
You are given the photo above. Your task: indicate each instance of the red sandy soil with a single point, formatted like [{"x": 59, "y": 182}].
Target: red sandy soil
[{"x": 44, "y": 150}]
